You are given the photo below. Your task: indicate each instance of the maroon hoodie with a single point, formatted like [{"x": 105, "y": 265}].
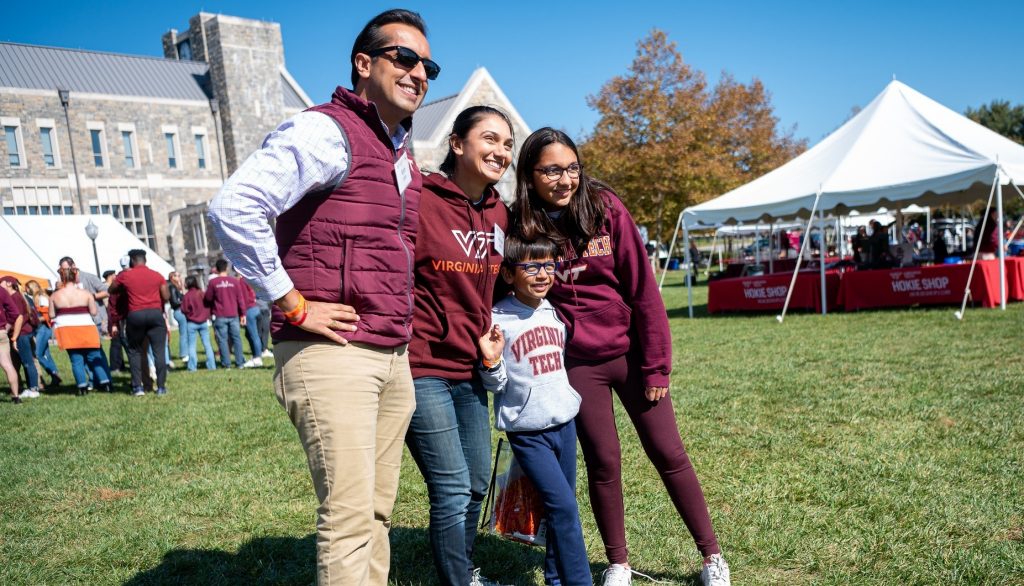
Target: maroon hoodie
[
  {"x": 194, "y": 306},
  {"x": 610, "y": 299},
  {"x": 224, "y": 296},
  {"x": 457, "y": 264}
]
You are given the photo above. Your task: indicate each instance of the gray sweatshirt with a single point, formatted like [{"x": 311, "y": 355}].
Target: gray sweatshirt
[{"x": 530, "y": 386}]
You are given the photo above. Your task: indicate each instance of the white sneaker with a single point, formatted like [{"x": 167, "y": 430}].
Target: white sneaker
[
  {"x": 715, "y": 572},
  {"x": 139, "y": 392},
  {"x": 152, "y": 372},
  {"x": 30, "y": 394},
  {"x": 254, "y": 363},
  {"x": 617, "y": 575},
  {"x": 267, "y": 354}
]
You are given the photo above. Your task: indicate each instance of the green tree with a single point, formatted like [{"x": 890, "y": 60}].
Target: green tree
[
  {"x": 666, "y": 141},
  {"x": 1001, "y": 117}
]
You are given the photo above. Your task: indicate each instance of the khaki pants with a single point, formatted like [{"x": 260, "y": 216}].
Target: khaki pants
[{"x": 351, "y": 406}]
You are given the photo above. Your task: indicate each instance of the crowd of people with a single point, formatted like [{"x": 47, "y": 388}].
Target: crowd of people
[
  {"x": 383, "y": 282},
  {"x": 133, "y": 308}
]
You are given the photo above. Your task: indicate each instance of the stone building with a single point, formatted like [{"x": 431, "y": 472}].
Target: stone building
[{"x": 153, "y": 139}]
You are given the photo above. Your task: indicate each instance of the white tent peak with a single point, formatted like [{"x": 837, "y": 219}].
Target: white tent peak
[{"x": 902, "y": 146}]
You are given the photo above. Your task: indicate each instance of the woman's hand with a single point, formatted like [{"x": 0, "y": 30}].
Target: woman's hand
[
  {"x": 491, "y": 344},
  {"x": 655, "y": 394}
]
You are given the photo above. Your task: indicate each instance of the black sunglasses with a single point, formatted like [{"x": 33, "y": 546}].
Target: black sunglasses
[{"x": 408, "y": 58}]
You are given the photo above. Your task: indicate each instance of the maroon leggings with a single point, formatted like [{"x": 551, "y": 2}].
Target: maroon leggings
[{"x": 656, "y": 426}]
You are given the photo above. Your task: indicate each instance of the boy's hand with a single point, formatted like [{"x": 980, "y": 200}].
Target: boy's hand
[{"x": 492, "y": 343}]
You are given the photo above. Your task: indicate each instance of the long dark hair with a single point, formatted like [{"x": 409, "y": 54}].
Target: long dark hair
[
  {"x": 580, "y": 220},
  {"x": 465, "y": 122}
]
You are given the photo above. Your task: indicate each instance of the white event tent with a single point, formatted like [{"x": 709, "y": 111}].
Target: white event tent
[
  {"x": 902, "y": 148},
  {"x": 34, "y": 245}
]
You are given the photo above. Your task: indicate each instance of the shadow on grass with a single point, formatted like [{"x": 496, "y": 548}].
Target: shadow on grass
[
  {"x": 291, "y": 561},
  {"x": 263, "y": 561}
]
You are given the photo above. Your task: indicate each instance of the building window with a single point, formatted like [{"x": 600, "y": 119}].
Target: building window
[
  {"x": 128, "y": 138},
  {"x": 36, "y": 201},
  {"x": 172, "y": 153},
  {"x": 185, "y": 50},
  {"x": 201, "y": 150},
  {"x": 15, "y": 145},
  {"x": 97, "y": 146},
  {"x": 127, "y": 205},
  {"x": 199, "y": 236},
  {"x": 46, "y": 137}
]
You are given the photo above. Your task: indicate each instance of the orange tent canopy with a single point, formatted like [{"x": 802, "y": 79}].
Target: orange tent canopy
[{"x": 23, "y": 278}]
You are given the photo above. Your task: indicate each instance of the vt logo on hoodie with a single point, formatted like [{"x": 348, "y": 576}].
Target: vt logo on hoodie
[{"x": 475, "y": 244}]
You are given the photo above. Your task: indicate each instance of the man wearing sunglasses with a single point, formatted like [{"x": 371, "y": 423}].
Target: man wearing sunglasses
[{"x": 342, "y": 186}]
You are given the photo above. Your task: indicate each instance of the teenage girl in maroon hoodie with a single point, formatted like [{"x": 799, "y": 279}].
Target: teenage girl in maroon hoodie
[
  {"x": 605, "y": 289},
  {"x": 458, "y": 254}
]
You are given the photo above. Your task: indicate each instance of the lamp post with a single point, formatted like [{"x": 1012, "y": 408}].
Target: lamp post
[
  {"x": 92, "y": 231},
  {"x": 65, "y": 99}
]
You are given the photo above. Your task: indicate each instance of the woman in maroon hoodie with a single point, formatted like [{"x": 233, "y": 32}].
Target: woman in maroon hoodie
[
  {"x": 620, "y": 342},
  {"x": 458, "y": 253}
]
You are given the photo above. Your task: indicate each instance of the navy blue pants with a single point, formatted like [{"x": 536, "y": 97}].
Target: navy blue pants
[{"x": 548, "y": 458}]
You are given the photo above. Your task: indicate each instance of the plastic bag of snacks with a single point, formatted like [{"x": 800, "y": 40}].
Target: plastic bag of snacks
[{"x": 514, "y": 506}]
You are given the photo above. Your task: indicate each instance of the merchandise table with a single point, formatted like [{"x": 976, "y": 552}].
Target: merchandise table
[
  {"x": 930, "y": 285},
  {"x": 768, "y": 292}
]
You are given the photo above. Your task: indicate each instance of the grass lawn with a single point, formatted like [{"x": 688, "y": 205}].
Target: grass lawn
[{"x": 871, "y": 448}]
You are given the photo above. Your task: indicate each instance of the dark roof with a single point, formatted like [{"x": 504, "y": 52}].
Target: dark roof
[
  {"x": 429, "y": 116},
  {"x": 50, "y": 68}
]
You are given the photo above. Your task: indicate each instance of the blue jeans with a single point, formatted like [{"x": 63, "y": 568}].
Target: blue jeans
[
  {"x": 548, "y": 458},
  {"x": 223, "y": 327},
  {"x": 450, "y": 439},
  {"x": 252, "y": 330},
  {"x": 179, "y": 318},
  {"x": 28, "y": 360},
  {"x": 192, "y": 330},
  {"x": 96, "y": 362},
  {"x": 43, "y": 335}
]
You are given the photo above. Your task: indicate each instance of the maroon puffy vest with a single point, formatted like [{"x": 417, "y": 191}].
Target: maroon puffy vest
[{"x": 354, "y": 244}]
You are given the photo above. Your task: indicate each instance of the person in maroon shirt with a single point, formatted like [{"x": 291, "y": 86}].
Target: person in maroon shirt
[
  {"x": 22, "y": 340},
  {"x": 197, "y": 324},
  {"x": 224, "y": 296},
  {"x": 10, "y": 323},
  {"x": 147, "y": 291},
  {"x": 458, "y": 254},
  {"x": 605, "y": 289}
]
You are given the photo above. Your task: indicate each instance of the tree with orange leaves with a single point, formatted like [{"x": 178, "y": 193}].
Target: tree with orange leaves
[{"x": 666, "y": 141}]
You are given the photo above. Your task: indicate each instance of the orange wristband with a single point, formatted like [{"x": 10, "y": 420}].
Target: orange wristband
[
  {"x": 298, "y": 314},
  {"x": 488, "y": 364}
]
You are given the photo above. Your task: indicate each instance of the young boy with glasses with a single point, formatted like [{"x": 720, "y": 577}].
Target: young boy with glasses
[{"x": 533, "y": 402}]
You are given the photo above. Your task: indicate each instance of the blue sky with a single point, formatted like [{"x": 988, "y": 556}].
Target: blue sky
[{"x": 818, "y": 59}]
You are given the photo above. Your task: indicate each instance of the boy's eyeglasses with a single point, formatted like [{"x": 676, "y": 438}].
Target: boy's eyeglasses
[
  {"x": 408, "y": 59},
  {"x": 532, "y": 268},
  {"x": 554, "y": 172}
]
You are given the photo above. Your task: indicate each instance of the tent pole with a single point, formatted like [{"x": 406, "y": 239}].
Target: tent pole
[
  {"x": 686, "y": 257},
  {"x": 800, "y": 256},
  {"x": 822, "y": 257},
  {"x": 928, "y": 226},
  {"x": 671, "y": 247},
  {"x": 1002, "y": 242},
  {"x": 771, "y": 248},
  {"x": 711, "y": 256},
  {"x": 974, "y": 261},
  {"x": 1017, "y": 228}
]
